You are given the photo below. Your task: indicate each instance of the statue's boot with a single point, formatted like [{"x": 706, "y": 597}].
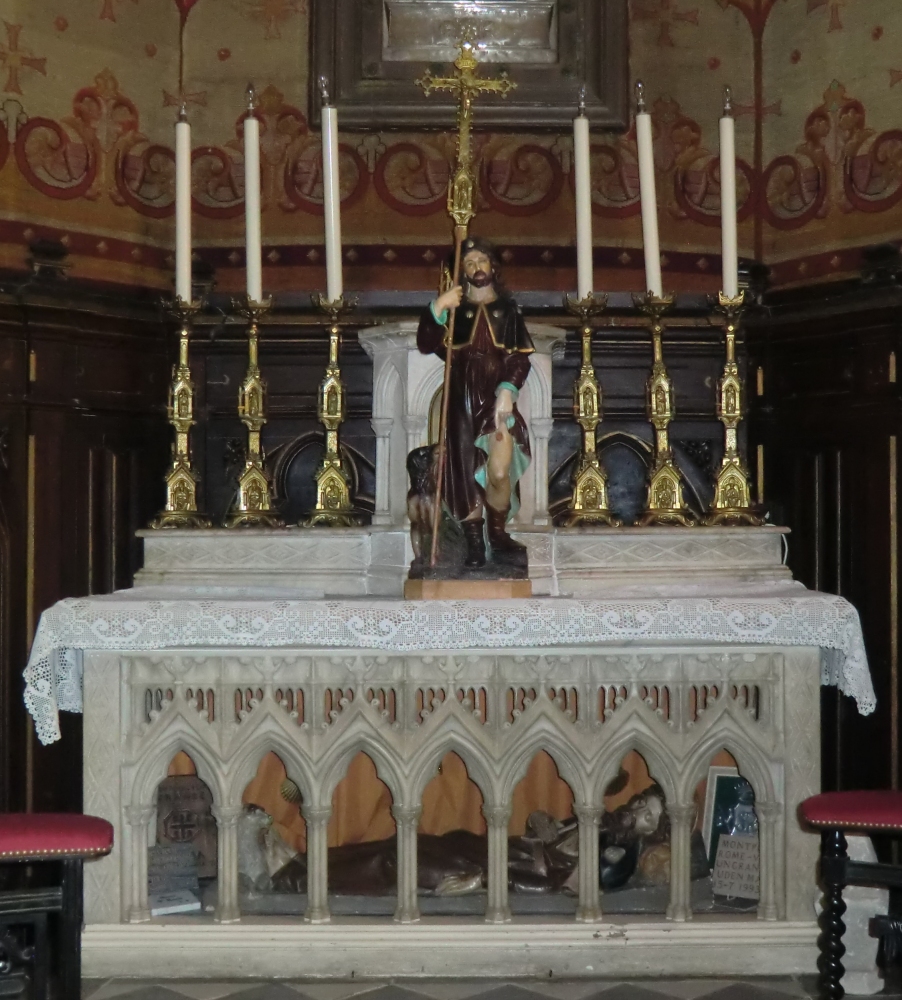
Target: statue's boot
[
  {"x": 475, "y": 543},
  {"x": 504, "y": 548}
]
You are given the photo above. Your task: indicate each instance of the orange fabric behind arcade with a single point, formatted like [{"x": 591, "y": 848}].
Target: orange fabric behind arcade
[{"x": 361, "y": 803}]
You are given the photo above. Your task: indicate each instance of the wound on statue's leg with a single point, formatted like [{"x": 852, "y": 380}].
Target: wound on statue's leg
[{"x": 498, "y": 467}]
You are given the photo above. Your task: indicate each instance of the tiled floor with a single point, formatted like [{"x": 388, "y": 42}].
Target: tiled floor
[{"x": 435, "y": 989}]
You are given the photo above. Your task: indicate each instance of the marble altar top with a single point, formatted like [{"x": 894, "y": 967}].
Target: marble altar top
[{"x": 216, "y": 618}]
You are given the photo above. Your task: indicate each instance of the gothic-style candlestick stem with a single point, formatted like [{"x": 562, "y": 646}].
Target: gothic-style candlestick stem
[
  {"x": 732, "y": 502},
  {"x": 181, "y": 479},
  {"x": 333, "y": 492},
  {"x": 665, "y": 503},
  {"x": 589, "y": 503},
  {"x": 253, "y": 505}
]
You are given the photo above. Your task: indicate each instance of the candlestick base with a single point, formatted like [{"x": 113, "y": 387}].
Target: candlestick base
[
  {"x": 181, "y": 500},
  {"x": 665, "y": 497},
  {"x": 334, "y": 508},
  {"x": 665, "y": 503},
  {"x": 732, "y": 502},
  {"x": 253, "y": 505},
  {"x": 589, "y": 503},
  {"x": 180, "y": 510}
]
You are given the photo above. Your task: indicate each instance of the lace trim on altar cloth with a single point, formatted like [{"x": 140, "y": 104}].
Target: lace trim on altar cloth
[{"x": 146, "y": 619}]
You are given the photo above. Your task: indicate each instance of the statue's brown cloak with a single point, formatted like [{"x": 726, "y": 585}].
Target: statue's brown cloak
[{"x": 491, "y": 347}]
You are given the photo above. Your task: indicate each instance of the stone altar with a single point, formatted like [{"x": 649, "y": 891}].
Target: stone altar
[{"x": 675, "y": 671}]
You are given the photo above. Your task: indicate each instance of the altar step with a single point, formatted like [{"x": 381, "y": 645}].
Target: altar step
[
  {"x": 353, "y": 948},
  {"x": 587, "y": 562},
  {"x": 764, "y": 988}
]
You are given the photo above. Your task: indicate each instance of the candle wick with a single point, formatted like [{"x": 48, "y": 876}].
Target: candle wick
[
  {"x": 640, "y": 97},
  {"x": 183, "y": 112},
  {"x": 251, "y": 99},
  {"x": 582, "y": 100},
  {"x": 324, "y": 91},
  {"x": 727, "y": 101}
]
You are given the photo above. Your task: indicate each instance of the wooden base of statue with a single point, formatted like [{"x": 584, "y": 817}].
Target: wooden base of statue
[{"x": 466, "y": 590}]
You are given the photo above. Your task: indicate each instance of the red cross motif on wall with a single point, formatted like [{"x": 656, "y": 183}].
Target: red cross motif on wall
[
  {"x": 669, "y": 15},
  {"x": 834, "y": 6},
  {"x": 16, "y": 59}
]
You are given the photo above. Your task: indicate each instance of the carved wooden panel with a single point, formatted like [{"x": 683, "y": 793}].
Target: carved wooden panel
[{"x": 372, "y": 51}]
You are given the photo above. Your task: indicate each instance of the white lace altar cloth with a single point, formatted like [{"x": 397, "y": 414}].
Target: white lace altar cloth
[{"x": 159, "y": 618}]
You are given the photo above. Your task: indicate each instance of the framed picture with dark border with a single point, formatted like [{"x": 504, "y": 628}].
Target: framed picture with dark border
[
  {"x": 729, "y": 808},
  {"x": 371, "y": 52}
]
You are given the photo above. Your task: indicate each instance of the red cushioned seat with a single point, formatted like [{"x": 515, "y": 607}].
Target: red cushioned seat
[
  {"x": 53, "y": 835},
  {"x": 854, "y": 811}
]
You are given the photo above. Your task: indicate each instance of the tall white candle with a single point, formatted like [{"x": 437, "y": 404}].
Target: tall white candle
[
  {"x": 331, "y": 196},
  {"x": 583, "y": 171},
  {"x": 253, "y": 238},
  {"x": 183, "y": 206},
  {"x": 729, "y": 234},
  {"x": 647, "y": 195}
]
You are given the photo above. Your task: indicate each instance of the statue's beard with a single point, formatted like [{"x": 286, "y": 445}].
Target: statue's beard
[{"x": 480, "y": 287}]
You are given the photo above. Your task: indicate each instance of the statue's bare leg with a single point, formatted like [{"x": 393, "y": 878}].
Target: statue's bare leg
[{"x": 498, "y": 480}]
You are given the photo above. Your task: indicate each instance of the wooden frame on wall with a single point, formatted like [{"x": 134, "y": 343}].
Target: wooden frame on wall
[{"x": 372, "y": 91}]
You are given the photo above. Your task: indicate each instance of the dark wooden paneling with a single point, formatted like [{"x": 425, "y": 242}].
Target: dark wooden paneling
[
  {"x": 83, "y": 445},
  {"x": 825, "y": 420}
]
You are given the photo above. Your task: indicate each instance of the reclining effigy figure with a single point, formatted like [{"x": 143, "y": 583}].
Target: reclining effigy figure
[{"x": 634, "y": 848}]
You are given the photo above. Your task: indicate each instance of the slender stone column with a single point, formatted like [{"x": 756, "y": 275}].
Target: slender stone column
[
  {"x": 497, "y": 910},
  {"x": 680, "y": 907},
  {"x": 768, "y": 816},
  {"x": 227, "y": 909},
  {"x": 415, "y": 426},
  {"x": 407, "y": 819},
  {"x": 382, "y": 428},
  {"x": 547, "y": 340},
  {"x": 541, "y": 430},
  {"x": 137, "y": 908},
  {"x": 589, "y": 908},
  {"x": 317, "y": 820}
]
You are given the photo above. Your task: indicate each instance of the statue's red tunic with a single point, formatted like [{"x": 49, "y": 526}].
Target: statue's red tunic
[{"x": 491, "y": 347}]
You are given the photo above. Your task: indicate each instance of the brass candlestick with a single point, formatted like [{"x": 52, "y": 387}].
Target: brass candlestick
[
  {"x": 589, "y": 503},
  {"x": 181, "y": 479},
  {"x": 333, "y": 492},
  {"x": 253, "y": 505},
  {"x": 665, "y": 503},
  {"x": 732, "y": 503}
]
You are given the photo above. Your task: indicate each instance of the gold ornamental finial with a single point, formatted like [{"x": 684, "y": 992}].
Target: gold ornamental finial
[{"x": 467, "y": 85}]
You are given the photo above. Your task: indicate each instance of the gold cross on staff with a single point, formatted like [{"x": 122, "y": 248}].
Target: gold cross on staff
[{"x": 468, "y": 85}]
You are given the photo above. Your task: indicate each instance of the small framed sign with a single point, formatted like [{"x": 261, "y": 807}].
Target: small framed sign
[
  {"x": 736, "y": 867},
  {"x": 729, "y": 808}
]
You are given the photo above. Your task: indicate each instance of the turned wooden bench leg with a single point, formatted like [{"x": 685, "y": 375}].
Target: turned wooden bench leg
[
  {"x": 71, "y": 919},
  {"x": 833, "y": 875}
]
